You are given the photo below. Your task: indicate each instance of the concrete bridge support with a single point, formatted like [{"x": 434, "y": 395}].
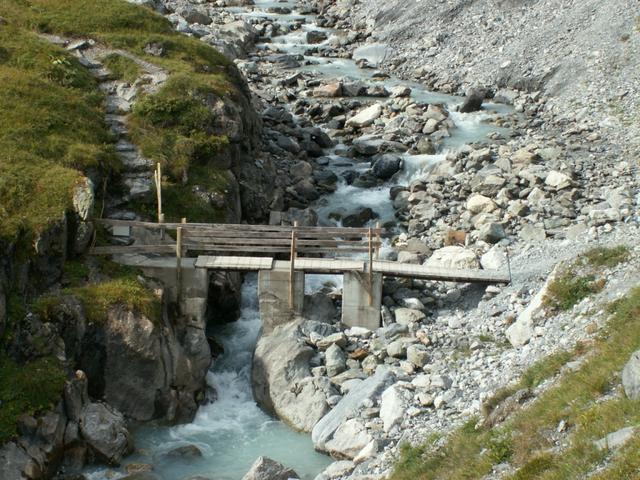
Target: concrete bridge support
[
  {"x": 273, "y": 296},
  {"x": 358, "y": 310}
]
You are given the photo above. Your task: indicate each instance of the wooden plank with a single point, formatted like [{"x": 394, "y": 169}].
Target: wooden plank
[
  {"x": 234, "y": 263},
  {"x": 439, "y": 273},
  {"x": 123, "y": 250},
  {"x": 321, "y": 265},
  {"x": 206, "y": 233},
  {"x": 269, "y": 249}
]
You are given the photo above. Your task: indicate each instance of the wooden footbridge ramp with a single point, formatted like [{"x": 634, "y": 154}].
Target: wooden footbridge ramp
[{"x": 282, "y": 255}]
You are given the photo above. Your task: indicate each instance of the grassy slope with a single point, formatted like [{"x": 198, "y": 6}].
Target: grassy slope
[
  {"x": 589, "y": 400},
  {"x": 52, "y": 131}
]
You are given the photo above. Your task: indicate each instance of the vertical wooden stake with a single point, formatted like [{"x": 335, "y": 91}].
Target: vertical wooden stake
[
  {"x": 157, "y": 176},
  {"x": 292, "y": 264},
  {"x": 370, "y": 267},
  {"x": 179, "y": 262}
]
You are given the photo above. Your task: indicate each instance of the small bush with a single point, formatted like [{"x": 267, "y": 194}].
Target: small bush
[
  {"x": 607, "y": 257},
  {"x": 569, "y": 289}
]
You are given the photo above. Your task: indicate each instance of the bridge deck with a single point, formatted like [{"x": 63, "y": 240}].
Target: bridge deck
[{"x": 326, "y": 265}]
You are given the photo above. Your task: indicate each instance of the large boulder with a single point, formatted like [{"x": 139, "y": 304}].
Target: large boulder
[
  {"x": 472, "y": 102},
  {"x": 105, "y": 431},
  {"x": 393, "y": 404},
  {"x": 282, "y": 380},
  {"x": 349, "y": 406},
  {"x": 631, "y": 376},
  {"x": 266, "y": 469},
  {"x": 348, "y": 440}
]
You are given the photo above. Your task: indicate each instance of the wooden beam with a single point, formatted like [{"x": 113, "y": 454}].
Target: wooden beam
[
  {"x": 179, "y": 262},
  {"x": 292, "y": 261},
  {"x": 123, "y": 250}
]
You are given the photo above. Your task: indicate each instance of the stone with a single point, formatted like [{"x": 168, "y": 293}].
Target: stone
[
  {"x": 105, "y": 431},
  {"x": 531, "y": 233},
  {"x": 369, "y": 451},
  {"x": 558, "y": 180},
  {"x": 480, "y": 204},
  {"x": 524, "y": 157},
  {"x": 408, "y": 257},
  {"x": 186, "y": 451},
  {"x": 316, "y": 36},
  {"x": 348, "y": 440},
  {"x": 523, "y": 329},
  {"x": 397, "y": 349},
  {"x": 418, "y": 355},
  {"x": 472, "y": 102},
  {"x": 195, "y": 16},
  {"x": 400, "y": 92},
  {"x": 615, "y": 440},
  {"x": 369, "y": 390},
  {"x": 491, "y": 232},
  {"x": 331, "y": 90},
  {"x": 406, "y": 316},
  {"x": 359, "y": 218},
  {"x": 338, "y": 338},
  {"x": 631, "y": 376},
  {"x": 365, "y": 117},
  {"x": 339, "y": 469},
  {"x": 393, "y": 404},
  {"x": 453, "y": 257},
  {"x": 13, "y": 460},
  {"x": 266, "y": 469},
  {"x": 386, "y": 166},
  {"x": 335, "y": 360},
  {"x": 494, "y": 259}
]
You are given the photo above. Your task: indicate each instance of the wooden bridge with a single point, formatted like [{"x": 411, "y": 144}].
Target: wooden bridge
[{"x": 282, "y": 255}]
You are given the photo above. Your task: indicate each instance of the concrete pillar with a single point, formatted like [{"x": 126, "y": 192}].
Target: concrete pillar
[
  {"x": 356, "y": 311},
  {"x": 273, "y": 296}
]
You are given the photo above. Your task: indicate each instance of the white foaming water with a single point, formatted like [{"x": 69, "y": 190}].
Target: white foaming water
[{"x": 232, "y": 431}]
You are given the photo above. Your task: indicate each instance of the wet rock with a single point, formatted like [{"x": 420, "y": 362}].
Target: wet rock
[
  {"x": 472, "y": 102},
  {"x": 266, "y": 469},
  {"x": 184, "y": 452},
  {"x": 359, "y": 218},
  {"x": 316, "y": 36},
  {"x": 386, "y": 166},
  {"x": 104, "y": 429}
]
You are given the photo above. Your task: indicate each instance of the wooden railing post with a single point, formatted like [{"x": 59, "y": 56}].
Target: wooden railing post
[
  {"x": 378, "y": 241},
  {"x": 157, "y": 177},
  {"x": 370, "y": 267},
  {"x": 179, "y": 263},
  {"x": 292, "y": 265}
]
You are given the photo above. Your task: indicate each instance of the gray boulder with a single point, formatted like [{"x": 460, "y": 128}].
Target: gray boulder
[
  {"x": 386, "y": 166},
  {"x": 282, "y": 380},
  {"x": 631, "y": 376},
  {"x": 472, "y": 102},
  {"x": 266, "y": 469},
  {"x": 105, "y": 431},
  {"x": 336, "y": 360}
]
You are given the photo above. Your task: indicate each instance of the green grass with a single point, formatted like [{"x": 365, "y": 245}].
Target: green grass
[
  {"x": 119, "y": 286},
  {"x": 27, "y": 389},
  {"x": 581, "y": 398},
  {"x": 122, "y": 68},
  {"x": 607, "y": 257},
  {"x": 51, "y": 128},
  {"x": 51, "y": 112},
  {"x": 568, "y": 289}
]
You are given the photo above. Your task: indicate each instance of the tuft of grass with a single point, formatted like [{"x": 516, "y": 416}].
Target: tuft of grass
[
  {"x": 122, "y": 68},
  {"x": 27, "y": 389},
  {"x": 607, "y": 257},
  {"x": 568, "y": 289}
]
